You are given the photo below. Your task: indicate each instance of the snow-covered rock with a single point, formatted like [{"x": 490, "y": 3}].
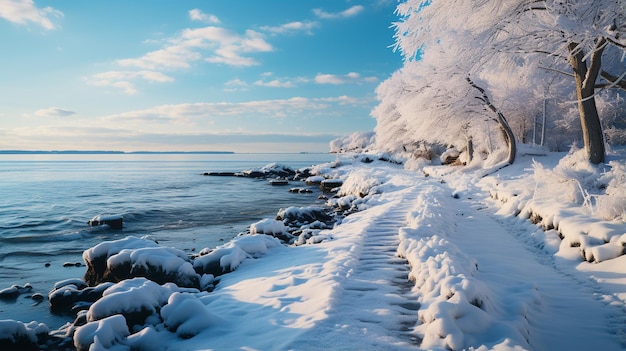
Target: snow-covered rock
[
  {"x": 134, "y": 257},
  {"x": 228, "y": 257},
  {"x": 16, "y": 335},
  {"x": 106, "y": 334},
  {"x": 186, "y": 316},
  {"x": 272, "y": 170}
]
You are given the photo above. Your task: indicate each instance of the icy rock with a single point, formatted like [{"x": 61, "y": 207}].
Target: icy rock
[
  {"x": 96, "y": 257},
  {"x": 314, "y": 180},
  {"x": 228, "y": 257},
  {"x": 14, "y": 291},
  {"x": 71, "y": 294},
  {"x": 16, "y": 335},
  {"x": 102, "y": 335},
  {"x": 159, "y": 264},
  {"x": 272, "y": 170},
  {"x": 138, "y": 300},
  {"x": 329, "y": 185},
  {"x": 114, "y": 222},
  {"x": 273, "y": 228},
  {"x": 131, "y": 257},
  {"x": 219, "y": 261},
  {"x": 299, "y": 216}
]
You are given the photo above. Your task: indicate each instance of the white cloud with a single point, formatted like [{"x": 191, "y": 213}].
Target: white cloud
[
  {"x": 54, "y": 112},
  {"x": 25, "y": 11},
  {"x": 123, "y": 79},
  {"x": 291, "y": 27},
  {"x": 236, "y": 82},
  {"x": 352, "y": 11},
  {"x": 281, "y": 108},
  {"x": 349, "y": 78},
  {"x": 227, "y": 47},
  {"x": 198, "y": 15},
  {"x": 275, "y": 83}
]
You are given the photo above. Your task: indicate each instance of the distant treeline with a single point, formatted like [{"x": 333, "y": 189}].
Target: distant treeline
[{"x": 105, "y": 152}]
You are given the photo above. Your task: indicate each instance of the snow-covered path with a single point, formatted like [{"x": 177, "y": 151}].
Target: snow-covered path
[
  {"x": 376, "y": 308},
  {"x": 526, "y": 300},
  {"x": 563, "y": 311}
]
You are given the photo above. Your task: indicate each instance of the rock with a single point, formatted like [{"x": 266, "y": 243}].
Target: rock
[
  {"x": 37, "y": 297},
  {"x": 299, "y": 216},
  {"x": 300, "y": 190},
  {"x": 302, "y": 173},
  {"x": 96, "y": 257},
  {"x": 314, "y": 180},
  {"x": 219, "y": 174},
  {"x": 219, "y": 261},
  {"x": 159, "y": 264},
  {"x": 69, "y": 295},
  {"x": 450, "y": 156},
  {"x": 14, "y": 291},
  {"x": 328, "y": 185},
  {"x": 279, "y": 182},
  {"x": 272, "y": 170},
  {"x": 18, "y": 336},
  {"x": 114, "y": 222}
]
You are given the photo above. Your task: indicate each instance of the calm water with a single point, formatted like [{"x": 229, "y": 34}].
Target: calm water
[{"x": 46, "y": 201}]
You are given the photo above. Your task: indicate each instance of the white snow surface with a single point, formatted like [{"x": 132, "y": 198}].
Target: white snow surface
[{"x": 438, "y": 262}]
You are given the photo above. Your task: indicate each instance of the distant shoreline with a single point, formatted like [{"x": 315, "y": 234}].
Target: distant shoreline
[{"x": 103, "y": 152}]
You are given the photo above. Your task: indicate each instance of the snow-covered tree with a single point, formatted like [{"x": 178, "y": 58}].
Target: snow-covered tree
[{"x": 589, "y": 36}]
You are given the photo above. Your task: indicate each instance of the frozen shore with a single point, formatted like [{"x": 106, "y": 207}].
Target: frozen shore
[{"x": 445, "y": 261}]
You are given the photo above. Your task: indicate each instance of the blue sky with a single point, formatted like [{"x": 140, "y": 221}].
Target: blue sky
[{"x": 237, "y": 75}]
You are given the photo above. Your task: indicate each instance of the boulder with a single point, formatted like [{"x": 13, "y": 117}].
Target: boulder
[
  {"x": 272, "y": 170},
  {"x": 219, "y": 174},
  {"x": 74, "y": 295},
  {"x": 328, "y": 185},
  {"x": 17, "y": 336},
  {"x": 14, "y": 291},
  {"x": 299, "y": 216},
  {"x": 114, "y": 261}
]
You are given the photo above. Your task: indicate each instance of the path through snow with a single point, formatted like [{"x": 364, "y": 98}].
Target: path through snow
[{"x": 529, "y": 302}]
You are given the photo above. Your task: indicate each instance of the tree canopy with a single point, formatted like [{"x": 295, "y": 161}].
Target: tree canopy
[{"x": 469, "y": 62}]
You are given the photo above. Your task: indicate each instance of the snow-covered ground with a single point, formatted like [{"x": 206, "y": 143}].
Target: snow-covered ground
[{"x": 438, "y": 257}]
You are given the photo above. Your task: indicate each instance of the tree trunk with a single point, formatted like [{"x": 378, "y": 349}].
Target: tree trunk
[
  {"x": 585, "y": 82},
  {"x": 505, "y": 129}
]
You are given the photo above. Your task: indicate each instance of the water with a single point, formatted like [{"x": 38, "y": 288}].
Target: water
[{"x": 46, "y": 201}]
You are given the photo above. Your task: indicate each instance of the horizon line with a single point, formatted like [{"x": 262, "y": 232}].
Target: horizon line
[{"x": 108, "y": 152}]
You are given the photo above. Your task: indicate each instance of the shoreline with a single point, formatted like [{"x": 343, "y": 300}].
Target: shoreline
[{"x": 63, "y": 319}]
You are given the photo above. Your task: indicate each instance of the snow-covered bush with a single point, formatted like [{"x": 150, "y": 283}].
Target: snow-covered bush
[
  {"x": 359, "y": 183},
  {"x": 355, "y": 142},
  {"x": 612, "y": 204},
  {"x": 570, "y": 181}
]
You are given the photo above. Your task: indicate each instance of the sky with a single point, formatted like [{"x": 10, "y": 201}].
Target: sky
[{"x": 240, "y": 75}]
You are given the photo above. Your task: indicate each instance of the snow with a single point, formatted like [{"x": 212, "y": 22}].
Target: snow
[
  {"x": 438, "y": 258},
  {"x": 268, "y": 226}
]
